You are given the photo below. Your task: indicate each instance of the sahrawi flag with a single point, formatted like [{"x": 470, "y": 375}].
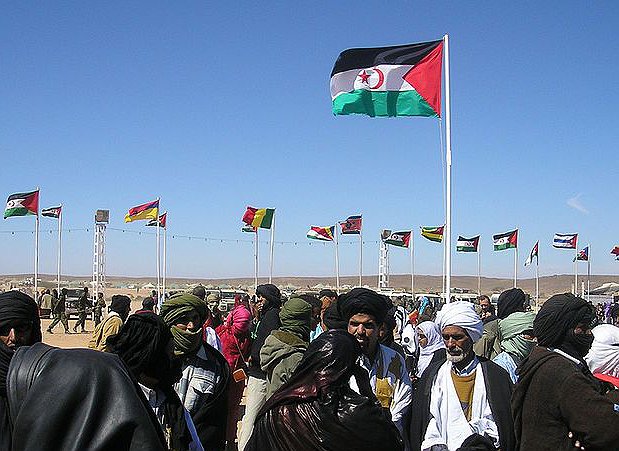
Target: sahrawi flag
[
  {"x": 534, "y": 254},
  {"x": 321, "y": 233},
  {"x": 400, "y": 239},
  {"x": 467, "y": 244},
  {"x": 22, "y": 204},
  {"x": 565, "y": 240},
  {"x": 507, "y": 240},
  {"x": 52, "y": 212},
  {"x": 583, "y": 255},
  {"x": 403, "y": 80},
  {"x": 615, "y": 252},
  {"x": 163, "y": 219},
  {"x": 259, "y": 217}
]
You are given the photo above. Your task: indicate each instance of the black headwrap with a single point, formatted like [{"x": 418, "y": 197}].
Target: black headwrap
[
  {"x": 510, "y": 301},
  {"x": 271, "y": 293},
  {"x": 16, "y": 307},
  {"x": 363, "y": 300},
  {"x": 332, "y": 318},
  {"x": 553, "y": 326},
  {"x": 141, "y": 343},
  {"x": 120, "y": 303}
]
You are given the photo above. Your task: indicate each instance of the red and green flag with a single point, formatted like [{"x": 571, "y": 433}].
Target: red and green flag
[
  {"x": 402, "y": 80},
  {"x": 433, "y": 233},
  {"x": 467, "y": 244},
  {"x": 507, "y": 240},
  {"x": 163, "y": 219},
  {"x": 259, "y": 217},
  {"x": 22, "y": 204},
  {"x": 399, "y": 239},
  {"x": 52, "y": 212},
  {"x": 321, "y": 233}
]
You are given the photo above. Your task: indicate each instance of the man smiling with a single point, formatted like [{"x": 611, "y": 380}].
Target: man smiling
[
  {"x": 365, "y": 311},
  {"x": 463, "y": 401}
]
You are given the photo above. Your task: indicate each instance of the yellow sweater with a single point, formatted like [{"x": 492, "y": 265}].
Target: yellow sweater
[
  {"x": 464, "y": 388},
  {"x": 106, "y": 328}
]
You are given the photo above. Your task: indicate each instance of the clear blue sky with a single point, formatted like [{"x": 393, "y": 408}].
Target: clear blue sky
[{"x": 217, "y": 105}]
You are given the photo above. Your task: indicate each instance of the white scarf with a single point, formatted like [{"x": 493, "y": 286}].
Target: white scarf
[
  {"x": 603, "y": 357},
  {"x": 448, "y": 425},
  {"x": 435, "y": 342}
]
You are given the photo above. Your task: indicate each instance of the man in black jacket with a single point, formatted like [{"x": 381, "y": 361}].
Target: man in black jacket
[
  {"x": 463, "y": 401},
  {"x": 268, "y": 304}
]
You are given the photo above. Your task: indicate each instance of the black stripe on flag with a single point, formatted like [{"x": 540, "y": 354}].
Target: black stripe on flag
[{"x": 373, "y": 56}]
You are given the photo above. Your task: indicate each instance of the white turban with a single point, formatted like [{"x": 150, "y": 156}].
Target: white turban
[
  {"x": 603, "y": 357},
  {"x": 461, "y": 313}
]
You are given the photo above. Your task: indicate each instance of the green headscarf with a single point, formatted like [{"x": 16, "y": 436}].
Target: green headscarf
[
  {"x": 186, "y": 342},
  {"x": 510, "y": 329},
  {"x": 295, "y": 317}
]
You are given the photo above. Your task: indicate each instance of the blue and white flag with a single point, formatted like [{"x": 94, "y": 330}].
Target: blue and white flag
[{"x": 565, "y": 240}]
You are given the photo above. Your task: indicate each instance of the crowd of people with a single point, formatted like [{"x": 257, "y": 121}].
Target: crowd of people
[{"x": 354, "y": 371}]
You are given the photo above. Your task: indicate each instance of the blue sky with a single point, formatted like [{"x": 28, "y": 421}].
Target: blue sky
[{"x": 214, "y": 106}]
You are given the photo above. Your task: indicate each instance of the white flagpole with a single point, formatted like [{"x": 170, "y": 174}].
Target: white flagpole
[
  {"x": 36, "y": 257},
  {"x": 337, "y": 261},
  {"x": 271, "y": 260},
  {"x": 444, "y": 262},
  {"x": 537, "y": 278},
  {"x": 158, "y": 261},
  {"x": 256, "y": 259},
  {"x": 448, "y": 169},
  {"x": 360, "y": 258},
  {"x": 576, "y": 272},
  {"x": 412, "y": 265},
  {"x": 478, "y": 269},
  {"x": 59, "y": 246},
  {"x": 516, "y": 266},
  {"x": 588, "y": 270},
  {"x": 165, "y": 257}
]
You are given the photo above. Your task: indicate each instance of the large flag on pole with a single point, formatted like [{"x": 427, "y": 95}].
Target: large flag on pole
[
  {"x": 467, "y": 244},
  {"x": 534, "y": 254},
  {"x": 399, "y": 239},
  {"x": 352, "y": 225},
  {"x": 403, "y": 80},
  {"x": 163, "y": 219},
  {"x": 52, "y": 212},
  {"x": 259, "y": 217},
  {"x": 149, "y": 210},
  {"x": 583, "y": 255},
  {"x": 507, "y": 240},
  {"x": 433, "y": 233},
  {"x": 565, "y": 240},
  {"x": 321, "y": 233},
  {"x": 22, "y": 204}
]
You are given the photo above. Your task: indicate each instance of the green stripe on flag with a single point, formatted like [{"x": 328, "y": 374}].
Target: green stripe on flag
[{"x": 382, "y": 103}]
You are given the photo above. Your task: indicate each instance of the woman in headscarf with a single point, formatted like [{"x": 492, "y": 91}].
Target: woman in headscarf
[
  {"x": 517, "y": 341},
  {"x": 603, "y": 357},
  {"x": 317, "y": 410},
  {"x": 284, "y": 347},
  {"x": 431, "y": 346},
  {"x": 236, "y": 345},
  {"x": 203, "y": 388}
]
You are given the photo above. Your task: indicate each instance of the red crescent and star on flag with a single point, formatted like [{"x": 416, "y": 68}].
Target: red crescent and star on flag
[{"x": 373, "y": 75}]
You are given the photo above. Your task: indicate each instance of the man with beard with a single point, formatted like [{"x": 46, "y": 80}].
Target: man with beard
[
  {"x": 119, "y": 310},
  {"x": 365, "y": 311},
  {"x": 145, "y": 345},
  {"x": 203, "y": 387},
  {"x": 463, "y": 401},
  {"x": 557, "y": 401},
  {"x": 65, "y": 398},
  {"x": 268, "y": 302}
]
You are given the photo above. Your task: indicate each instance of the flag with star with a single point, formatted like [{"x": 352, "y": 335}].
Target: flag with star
[
  {"x": 402, "y": 80},
  {"x": 22, "y": 204}
]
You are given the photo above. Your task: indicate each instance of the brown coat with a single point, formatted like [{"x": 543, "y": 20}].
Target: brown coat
[{"x": 555, "y": 396}]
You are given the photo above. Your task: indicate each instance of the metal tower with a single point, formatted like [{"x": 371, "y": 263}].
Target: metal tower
[
  {"x": 102, "y": 218},
  {"x": 383, "y": 265}
]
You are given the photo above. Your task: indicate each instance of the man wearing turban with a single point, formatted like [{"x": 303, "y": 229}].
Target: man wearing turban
[
  {"x": 463, "y": 401},
  {"x": 516, "y": 341},
  {"x": 203, "y": 388},
  {"x": 365, "y": 311},
  {"x": 556, "y": 394}
]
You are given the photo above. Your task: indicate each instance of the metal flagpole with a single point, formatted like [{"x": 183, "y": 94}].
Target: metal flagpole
[
  {"x": 337, "y": 260},
  {"x": 588, "y": 270},
  {"x": 272, "y": 238},
  {"x": 448, "y": 169},
  {"x": 256, "y": 259},
  {"x": 537, "y": 279},
  {"x": 412, "y": 266},
  {"x": 516, "y": 267},
  {"x": 60, "y": 215},
  {"x": 478, "y": 270},
  {"x": 576, "y": 272},
  {"x": 360, "y": 258},
  {"x": 158, "y": 261},
  {"x": 444, "y": 262},
  {"x": 36, "y": 257},
  {"x": 165, "y": 255}
]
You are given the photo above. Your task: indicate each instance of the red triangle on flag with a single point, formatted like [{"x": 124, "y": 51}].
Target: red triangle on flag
[{"x": 425, "y": 77}]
